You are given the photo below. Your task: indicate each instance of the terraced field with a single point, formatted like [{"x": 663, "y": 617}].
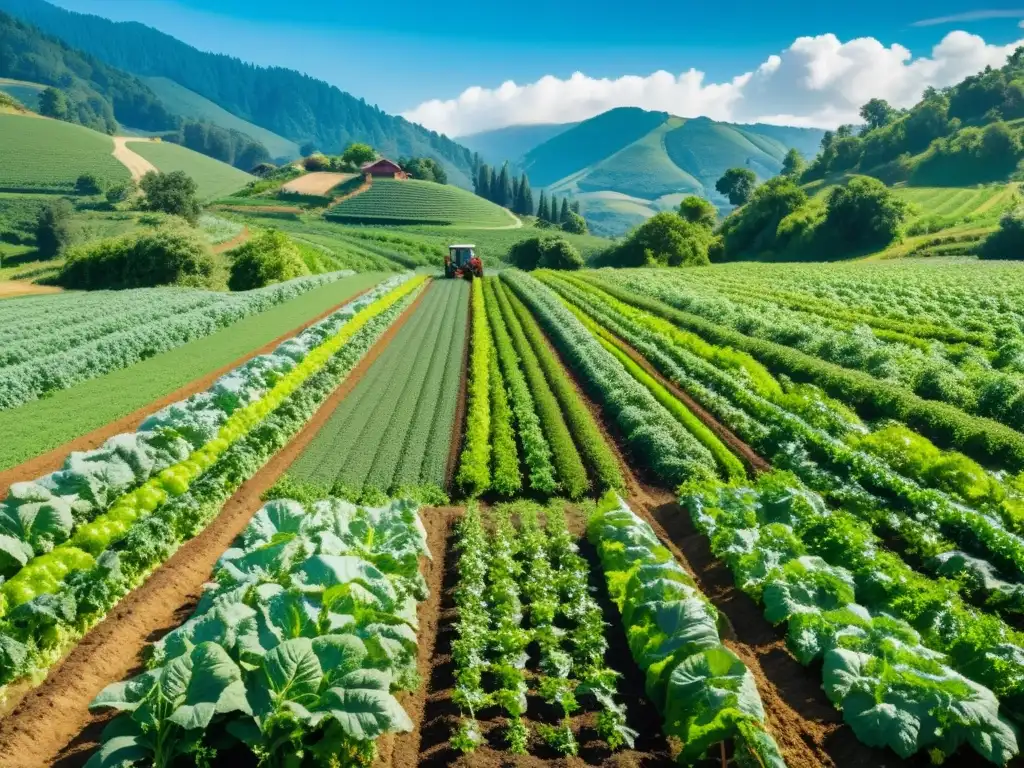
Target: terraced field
[
  {"x": 765, "y": 515},
  {"x": 214, "y": 178},
  {"x": 390, "y": 201},
  {"x": 42, "y": 154}
]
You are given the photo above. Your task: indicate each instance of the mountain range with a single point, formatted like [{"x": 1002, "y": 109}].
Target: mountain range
[{"x": 627, "y": 164}]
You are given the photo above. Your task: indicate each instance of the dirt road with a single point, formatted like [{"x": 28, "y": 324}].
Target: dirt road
[{"x": 136, "y": 164}]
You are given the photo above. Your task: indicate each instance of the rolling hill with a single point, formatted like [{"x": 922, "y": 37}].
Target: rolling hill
[
  {"x": 188, "y": 104},
  {"x": 288, "y": 103},
  {"x": 49, "y": 155},
  {"x": 390, "y": 201},
  {"x": 215, "y": 179},
  {"x": 627, "y": 164}
]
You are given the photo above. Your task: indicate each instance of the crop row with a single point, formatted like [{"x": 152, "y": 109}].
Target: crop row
[
  {"x": 68, "y": 587},
  {"x": 119, "y": 330},
  {"x": 829, "y": 448},
  {"x": 298, "y": 647},
  {"x": 673, "y": 637},
  {"x": 987, "y": 441},
  {"x": 519, "y": 587},
  {"x": 873, "y": 372},
  {"x": 418, "y": 202},
  {"x": 394, "y": 429}
]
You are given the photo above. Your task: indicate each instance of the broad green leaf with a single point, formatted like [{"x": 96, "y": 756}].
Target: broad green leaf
[
  {"x": 339, "y": 654},
  {"x": 362, "y": 705},
  {"x": 882, "y": 724},
  {"x": 292, "y": 672},
  {"x": 127, "y": 695},
  {"x": 123, "y": 744},
  {"x": 214, "y": 687}
]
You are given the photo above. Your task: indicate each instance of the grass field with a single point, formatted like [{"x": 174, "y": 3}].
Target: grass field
[
  {"x": 49, "y": 154},
  {"x": 41, "y": 425},
  {"x": 394, "y": 430},
  {"x": 215, "y": 179},
  {"x": 420, "y": 202},
  {"x": 495, "y": 244},
  {"x": 186, "y": 103}
]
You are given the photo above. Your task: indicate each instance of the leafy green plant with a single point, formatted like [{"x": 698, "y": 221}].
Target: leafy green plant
[{"x": 474, "y": 475}]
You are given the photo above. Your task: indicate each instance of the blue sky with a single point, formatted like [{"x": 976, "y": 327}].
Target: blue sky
[{"x": 411, "y": 51}]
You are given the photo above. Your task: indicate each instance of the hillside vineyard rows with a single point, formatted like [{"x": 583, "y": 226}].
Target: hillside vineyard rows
[{"x": 761, "y": 514}]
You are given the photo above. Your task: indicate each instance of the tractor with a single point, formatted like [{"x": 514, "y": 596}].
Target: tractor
[{"x": 462, "y": 261}]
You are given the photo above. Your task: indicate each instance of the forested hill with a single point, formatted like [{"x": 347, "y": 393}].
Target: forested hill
[
  {"x": 284, "y": 101},
  {"x": 98, "y": 95}
]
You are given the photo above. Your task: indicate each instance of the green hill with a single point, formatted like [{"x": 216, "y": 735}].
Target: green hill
[
  {"x": 627, "y": 164},
  {"x": 288, "y": 103},
  {"x": 42, "y": 154},
  {"x": 188, "y": 104},
  {"x": 390, "y": 201},
  {"x": 26, "y": 93},
  {"x": 215, "y": 179}
]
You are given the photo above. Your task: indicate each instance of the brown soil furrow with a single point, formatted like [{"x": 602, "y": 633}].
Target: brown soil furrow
[
  {"x": 112, "y": 650},
  {"x": 53, "y": 460},
  {"x": 404, "y": 750},
  {"x": 749, "y": 456},
  {"x": 234, "y": 242}
]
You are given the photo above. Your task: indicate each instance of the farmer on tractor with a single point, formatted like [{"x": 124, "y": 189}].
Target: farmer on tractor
[{"x": 462, "y": 261}]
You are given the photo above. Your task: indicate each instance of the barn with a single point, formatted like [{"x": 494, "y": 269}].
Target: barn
[{"x": 384, "y": 168}]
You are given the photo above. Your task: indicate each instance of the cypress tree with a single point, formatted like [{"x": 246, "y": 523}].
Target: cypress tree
[
  {"x": 513, "y": 202},
  {"x": 563, "y": 215},
  {"x": 524, "y": 203},
  {"x": 575, "y": 207},
  {"x": 542, "y": 207},
  {"x": 492, "y": 185},
  {"x": 483, "y": 182},
  {"x": 504, "y": 188}
]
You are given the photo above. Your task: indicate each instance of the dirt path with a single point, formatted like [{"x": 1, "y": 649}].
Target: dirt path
[
  {"x": 12, "y": 288},
  {"x": 112, "y": 650},
  {"x": 136, "y": 164},
  {"x": 234, "y": 242},
  {"x": 53, "y": 460},
  {"x": 459, "y": 425},
  {"x": 318, "y": 183}
]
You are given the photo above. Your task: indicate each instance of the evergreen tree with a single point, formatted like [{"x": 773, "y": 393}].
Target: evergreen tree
[
  {"x": 575, "y": 207},
  {"x": 513, "y": 202},
  {"x": 483, "y": 178},
  {"x": 542, "y": 207},
  {"x": 528, "y": 208},
  {"x": 563, "y": 214},
  {"x": 504, "y": 188},
  {"x": 492, "y": 185}
]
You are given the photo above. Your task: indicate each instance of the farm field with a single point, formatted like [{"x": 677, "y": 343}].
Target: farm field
[
  {"x": 316, "y": 183},
  {"x": 674, "y": 509},
  {"x": 42, "y": 425},
  {"x": 42, "y": 154},
  {"x": 393, "y": 433},
  {"x": 390, "y": 201},
  {"x": 214, "y": 178}
]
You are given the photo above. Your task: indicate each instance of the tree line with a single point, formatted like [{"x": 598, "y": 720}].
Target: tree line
[{"x": 504, "y": 188}]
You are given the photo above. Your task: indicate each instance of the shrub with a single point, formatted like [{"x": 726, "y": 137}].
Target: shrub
[
  {"x": 173, "y": 193},
  {"x": 664, "y": 240},
  {"x": 316, "y": 163},
  {"x": 1007, "y": 242},
  {"x": 546, "y": 252},
  {"x": 697, "y": 210},
  {"x": 864, "y": 213},
  {"x": 53, "y": 228},
  {"x": 118, "y": 193},
  {"x": 88, "y": 184},
  {"x": 172, "y": 255},
  {"x": 575, "y": 224},
  {"x": 753, "y": 228},
  {"x": 268, "y": 258}
]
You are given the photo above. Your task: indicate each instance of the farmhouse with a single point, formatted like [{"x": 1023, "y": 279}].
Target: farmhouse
[{"x": 384, "y": 168}]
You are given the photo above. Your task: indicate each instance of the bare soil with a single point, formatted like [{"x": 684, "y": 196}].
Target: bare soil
[
  {"x": 459, "y": 425},
  {"x": 234, "y": 242},
  {"x": 53, "y": 460},
  {"x": 112, "y": 650},
  {"x": 319, "y": 183},
  {"x": 11, "y": 288},
  {"x": 137, "y": 165}
]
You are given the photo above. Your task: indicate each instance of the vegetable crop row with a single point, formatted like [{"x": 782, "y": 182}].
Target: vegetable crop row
[
  {"x": 651, "y": 431},
  {"x": 297, "y": 648},
  {"x": 703, "y": 690},
  {"x": 474, "y": 475}
]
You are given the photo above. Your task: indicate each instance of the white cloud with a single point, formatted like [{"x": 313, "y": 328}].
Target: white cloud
[
  {"x": 817, "y": 81},
  {"x": 1003, "y": 13}
]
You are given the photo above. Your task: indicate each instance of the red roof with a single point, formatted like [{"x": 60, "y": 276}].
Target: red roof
[{"x": 383, "y": 165}]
